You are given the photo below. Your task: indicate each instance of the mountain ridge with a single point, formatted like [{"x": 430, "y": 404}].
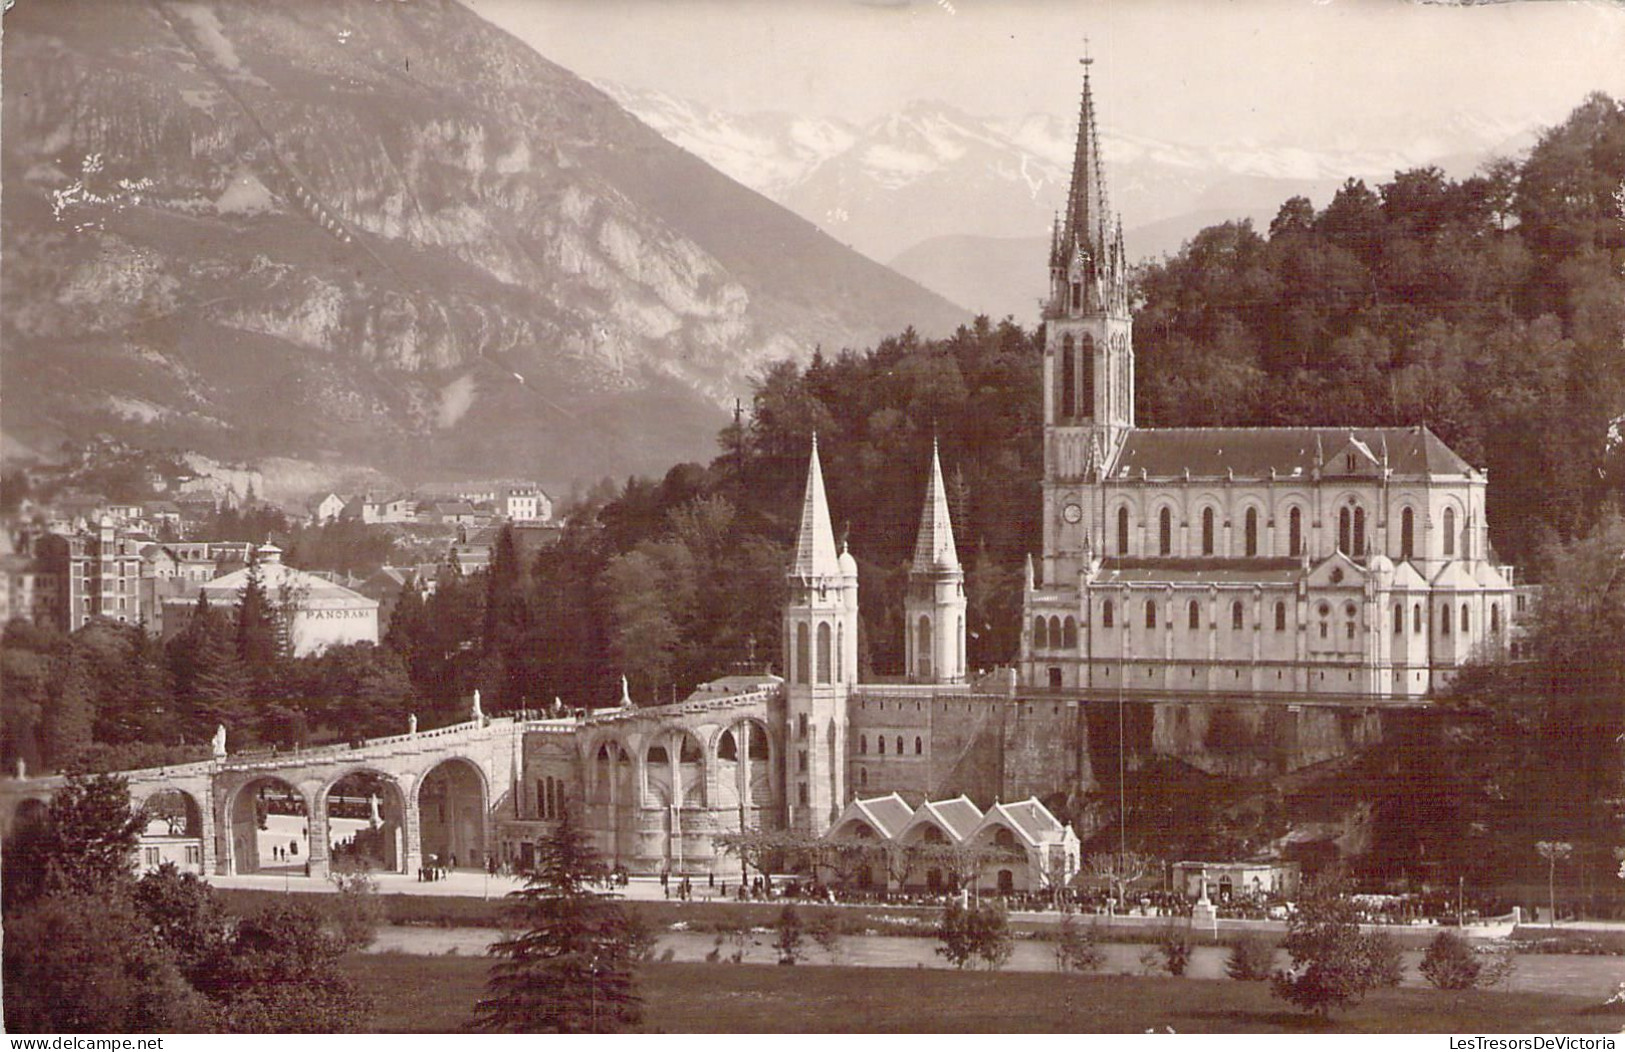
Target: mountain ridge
[{"x": 393, "y": 232}]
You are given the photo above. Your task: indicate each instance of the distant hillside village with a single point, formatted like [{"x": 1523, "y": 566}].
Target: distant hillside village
[{"x": 77, "y": 555}]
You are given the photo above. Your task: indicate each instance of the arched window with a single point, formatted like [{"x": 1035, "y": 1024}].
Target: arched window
[
  {"x": 1056, "y": 638},
  {"x": 863, "y": 745},
  {"x": 1106, "y": 614},
  {"x": 1449, "y": 532},
  {"x": 803, "y": 653},
  {"x": 1416, "y": 618},
  {"x": 922, "y": 646},
  {"x": 1345, "y": 530},
  {"x": 1495, "y": 618},
  {"x": 1295, "y": 532},
  {"x": 1325, "y": 612},
  {"x": 899, "y": 745},
  {"x": 1040, "y": 634},
  {"x": 1151, "y": 613},
  {"x": 1122, "y": 530},
  {"x": 863, "y": 776},
  {"x": 1250, "y": 532},
  {"x": 1069, "y": 378},
  {"x": 880, "y": 743},
  {"x": 1444, "y": 619},
  {"x": 1207, "y": 531},
  {"x": 1359, "y": 532},
  {"x": 825, "y": 651},
  {"x": 1407, "y": 534},
  {"x": 1280, "y": 617},
  {"x": 1399, "y": 618},
  {"x": 1465, "y": 627},
  {"x": 1349, "y": 614},
  {"x": 1236, "y": 615},
  {"x": 1086, "y": 376},
  {"x": 1195, "y": 615},
  {"x": 1165, "y": 532},
  {"x": 1069, "y": 634},
  {"x": 919, "y": 747}
]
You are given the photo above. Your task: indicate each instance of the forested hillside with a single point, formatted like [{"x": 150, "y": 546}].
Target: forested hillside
[{"x": 1488, "y": 309}]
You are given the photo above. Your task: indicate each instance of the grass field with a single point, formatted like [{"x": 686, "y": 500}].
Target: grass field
[{"x": 712, "y": 998}]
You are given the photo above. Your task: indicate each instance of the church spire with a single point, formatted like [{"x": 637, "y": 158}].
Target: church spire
[
  {"x": 1088, "y": 267},
  {"x": 815, "y": 541},
  {"x": 934, "y": 547},
  {"x": 1087, "y": 214}
]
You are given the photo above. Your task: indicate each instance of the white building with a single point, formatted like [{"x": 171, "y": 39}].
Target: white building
[
  {"x": 1235, "y": 560},
  {"x": 322, "y": 613}
]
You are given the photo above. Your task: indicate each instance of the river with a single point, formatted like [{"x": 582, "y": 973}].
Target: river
[{"x": 1588, "y": 976}]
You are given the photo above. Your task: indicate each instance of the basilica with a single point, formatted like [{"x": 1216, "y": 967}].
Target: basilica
[{"x": 1235, "y": 602}]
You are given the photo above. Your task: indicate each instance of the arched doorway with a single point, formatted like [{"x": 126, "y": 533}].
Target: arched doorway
[
  {"x": 452, "y": 812},
  {"x": 366, "y": 822},
  {"x": 270, "y": 828},
  {"x": 174, "y": 831}
]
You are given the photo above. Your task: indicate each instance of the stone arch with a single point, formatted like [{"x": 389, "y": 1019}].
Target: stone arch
[
  {"x": 1294, "y": 540},
  {"x": 1449, "y": 533},
  {"x": 452, "y": 801},
  {"x": 356, "y": 831},
  {"x": 1210, "y": 530},
  {"x": 1165, "y": 529},
  {"x": 1407, "y": 533},
  {"x": 172, "y": 812},
  {"x": 1252, "y": 537},
  {"x": 1069, "y": 633},
  {"x": 269, "y": 822},
  {"x": 1122, "y": 516},
  {"x": 1040, "y": 633}
]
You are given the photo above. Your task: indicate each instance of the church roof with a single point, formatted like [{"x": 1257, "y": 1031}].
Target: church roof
[
  {"x": 1288, "y": 452},
  {"x": 934, "y": 547},
  {"x": 1029, "y": 817},
  {"x": 815, "y": 540},
  {"x": 887, "y": 815}
]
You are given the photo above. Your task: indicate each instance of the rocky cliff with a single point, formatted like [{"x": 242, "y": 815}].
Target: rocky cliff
[{"x": 384, "y": 232}]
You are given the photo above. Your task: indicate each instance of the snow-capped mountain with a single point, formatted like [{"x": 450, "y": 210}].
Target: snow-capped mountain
[{"x": 929, "y": 174}]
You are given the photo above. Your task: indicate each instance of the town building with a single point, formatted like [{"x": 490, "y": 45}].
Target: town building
[
  {"x": 100, "y": 571},
  {"x": 324, "y": 508},
  {"x": 319, "y": 613}
]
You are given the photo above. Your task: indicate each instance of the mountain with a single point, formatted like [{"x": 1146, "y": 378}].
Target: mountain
[
  {"x": 384, "y": 233},
  {"x": 936, "y": 192}
]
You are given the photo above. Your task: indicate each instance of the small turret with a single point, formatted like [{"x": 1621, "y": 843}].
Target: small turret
[{"x": 934, "y": 608}]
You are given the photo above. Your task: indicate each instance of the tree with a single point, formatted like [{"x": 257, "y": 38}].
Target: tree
[
  {"x": 1553, "y": 852},
  {"x": 86, "y": 844},
  {"x": 976, "y": 933},
  {"x": 1333, "y": 963},
  {"x": 790, "y": 938},
  {"x": 571, "y": 972},
  {"x": 1252, "y": 959},
  {"x": 88, "y": 962},
  {"x": 1076, "y": 947},
  {"x": 280, "y": 974},
  {"x": 1449, "y": 963},
  {"x": 186, "y": 916}
]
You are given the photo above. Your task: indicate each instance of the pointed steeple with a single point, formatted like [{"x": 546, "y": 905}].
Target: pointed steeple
[
  {"x": 815, "y": 542},
  {"x": 1087, "y": 214},
  {"x": 934, "y": 547}
]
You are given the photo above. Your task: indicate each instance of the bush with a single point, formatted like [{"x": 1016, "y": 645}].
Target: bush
[
  {"x": 357, "y": 911},
  {"x": 790, "y": 938},
  {"x": 1450, "y": 964},
  {"x": 968, "y": 935},
  {"x": 1384, "y": 966},
  {"x": 1252, "y": 959},
  {"x": 1076, "y": 947},
  {"x": 1175, "y": 947}
]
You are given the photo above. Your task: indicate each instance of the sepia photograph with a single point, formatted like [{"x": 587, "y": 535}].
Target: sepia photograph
[{"x": 812, "y": 516}]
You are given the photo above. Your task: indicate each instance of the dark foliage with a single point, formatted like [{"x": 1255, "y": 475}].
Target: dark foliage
[{"x": 571, "y": 971}]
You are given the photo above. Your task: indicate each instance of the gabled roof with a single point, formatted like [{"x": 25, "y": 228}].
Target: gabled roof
[
  {"x": 1290, "y": 452},
  {"x": 1406, "y": 576},
  {"x": 957, "y": 818},
  {"x": 1349, "y": 573},
  {"x": 1454, "y": 574},
  {"x": 934, "y": 545},
  {"x": 815, "y": 540},
  {"x": 1489, "y": 576},
  {"x": 886, "y": 815},
  {"x": 1029, "y": 819}
]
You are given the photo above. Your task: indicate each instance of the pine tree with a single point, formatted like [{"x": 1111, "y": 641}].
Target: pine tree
[{"x": 571, "y": 972}]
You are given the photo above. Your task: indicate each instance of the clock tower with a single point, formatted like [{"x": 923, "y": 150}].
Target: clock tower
[{"x": 1088, "y": 359}]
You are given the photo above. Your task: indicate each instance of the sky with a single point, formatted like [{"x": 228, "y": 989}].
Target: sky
[{"x": 1198, "y": 72}]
